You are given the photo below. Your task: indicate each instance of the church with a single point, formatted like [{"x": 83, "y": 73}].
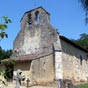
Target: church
[{"x": 43, "y": 55}]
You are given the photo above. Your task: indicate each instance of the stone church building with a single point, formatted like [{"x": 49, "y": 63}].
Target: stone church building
[{"x": 43, "y": 54}]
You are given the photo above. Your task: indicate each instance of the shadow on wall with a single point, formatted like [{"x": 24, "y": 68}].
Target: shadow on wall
[{"x": 24, "y": 66}]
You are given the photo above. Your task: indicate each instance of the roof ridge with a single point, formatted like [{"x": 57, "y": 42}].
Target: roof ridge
[{"x": 33, "y": 10}]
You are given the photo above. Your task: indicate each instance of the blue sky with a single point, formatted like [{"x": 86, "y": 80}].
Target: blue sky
[{"x": 66, "y": 15}]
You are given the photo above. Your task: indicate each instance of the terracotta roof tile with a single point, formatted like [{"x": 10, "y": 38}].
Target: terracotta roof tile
[{"x": 30, "y": 57}]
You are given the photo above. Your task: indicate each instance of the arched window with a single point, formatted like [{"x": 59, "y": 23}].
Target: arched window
[
  {"x": 30, "y": 20},
  {"x": 37, "y": 17}
]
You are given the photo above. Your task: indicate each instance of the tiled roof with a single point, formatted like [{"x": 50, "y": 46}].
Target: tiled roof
[
  {"x": 72, "y": 43},
  {"x": 29, "y": 57}
]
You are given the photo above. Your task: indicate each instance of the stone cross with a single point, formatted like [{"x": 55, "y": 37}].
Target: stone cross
[
  {"x": 18, "y": 77},
  {"x": 28, "y": 82}
]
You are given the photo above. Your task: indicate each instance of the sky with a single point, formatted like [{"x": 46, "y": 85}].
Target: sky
[{"x": 67, "y": 16}]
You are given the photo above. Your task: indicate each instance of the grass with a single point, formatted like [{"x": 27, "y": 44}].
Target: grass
[{"x": 83, "y": 85}]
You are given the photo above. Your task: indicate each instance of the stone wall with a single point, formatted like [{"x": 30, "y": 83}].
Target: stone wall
[
  {"x": 34, "y": 35},
  {"x": 75, "y": 66},
  {"x": 24, "y": 67},
  {"x": 37, "y": 36},
  {"x": 39, "y": 71},
  {"x": 43, "y": 69},
  {"x": 58, "y": 59}
]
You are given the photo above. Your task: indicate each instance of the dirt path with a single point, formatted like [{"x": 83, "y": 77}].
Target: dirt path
[
  {"x": 13, "y": 86},
  {"x": 41, "y": 87}
]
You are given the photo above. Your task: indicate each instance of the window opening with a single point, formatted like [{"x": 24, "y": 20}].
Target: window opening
[
  {"x": 81, "y": 59},
  {"x": 37, "y": 17},
  {"x": 30, "y": 20},
  {"x": 44, "y": 67},
  {"x": 86, "y": 58}
]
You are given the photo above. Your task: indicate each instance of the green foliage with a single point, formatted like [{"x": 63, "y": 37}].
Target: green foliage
[
  {"x": 8, "y": 62},
  {"x": 1, "y": 80},
  {"x": 6, "y": 19},
  {"x": 8, "y": 70},
  {"x": 3, "y": 73},
  {"x": 82, "y": 41},
  {"x": 85, "y": 7},
  {"x": 84, "y": 4},
  {"x": 5, "y": 54},
  {"x": 83, "y": 85},
  {"x": 4, "y": 26}
]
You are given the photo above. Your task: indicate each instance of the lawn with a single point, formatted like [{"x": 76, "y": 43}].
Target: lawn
[{"x": 83, "y": 85}]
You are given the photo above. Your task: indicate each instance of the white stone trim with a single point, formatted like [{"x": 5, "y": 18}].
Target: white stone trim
[{"x": 58, "y": 66}]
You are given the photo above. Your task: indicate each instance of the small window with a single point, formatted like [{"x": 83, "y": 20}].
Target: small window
[
  {"x": 86, "y": 58},
  {"x": 81, "y": 60},
  {"x": 30, "y": 20},
  {"x": 37, "y": 17},
  {"x": 44, "y": 66}
]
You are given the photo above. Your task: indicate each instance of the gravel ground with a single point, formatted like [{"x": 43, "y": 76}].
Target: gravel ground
[
  {"x": 13, "y": 86},
  {"x": 41, "y": 87}
]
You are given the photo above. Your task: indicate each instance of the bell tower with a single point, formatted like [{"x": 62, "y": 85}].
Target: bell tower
[
  {"x": 38, "y": 16},
  {"x": 36, "y": 32}
]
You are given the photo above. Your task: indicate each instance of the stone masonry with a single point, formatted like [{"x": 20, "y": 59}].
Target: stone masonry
[{"x": 43, "y": 54}]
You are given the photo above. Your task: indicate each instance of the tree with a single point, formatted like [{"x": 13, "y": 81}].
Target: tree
[
  {"x": 85, "y": 7},
  {"x": 3, "y": 26},
  {"x": 82, "y": 41},
  {"x": 4, "y": 54},
  {"x": 84, "y": 4}
]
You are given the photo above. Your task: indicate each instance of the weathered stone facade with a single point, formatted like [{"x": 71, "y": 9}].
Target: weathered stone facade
[
  {"x": 75, "y": 65},
  {"x": 45, "y": 56},
  {"x": 36, "y": 33},
  {"x": 38, "y": 70}
]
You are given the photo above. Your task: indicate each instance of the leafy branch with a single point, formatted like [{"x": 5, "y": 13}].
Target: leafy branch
[{"x": 4, "y": 26}]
